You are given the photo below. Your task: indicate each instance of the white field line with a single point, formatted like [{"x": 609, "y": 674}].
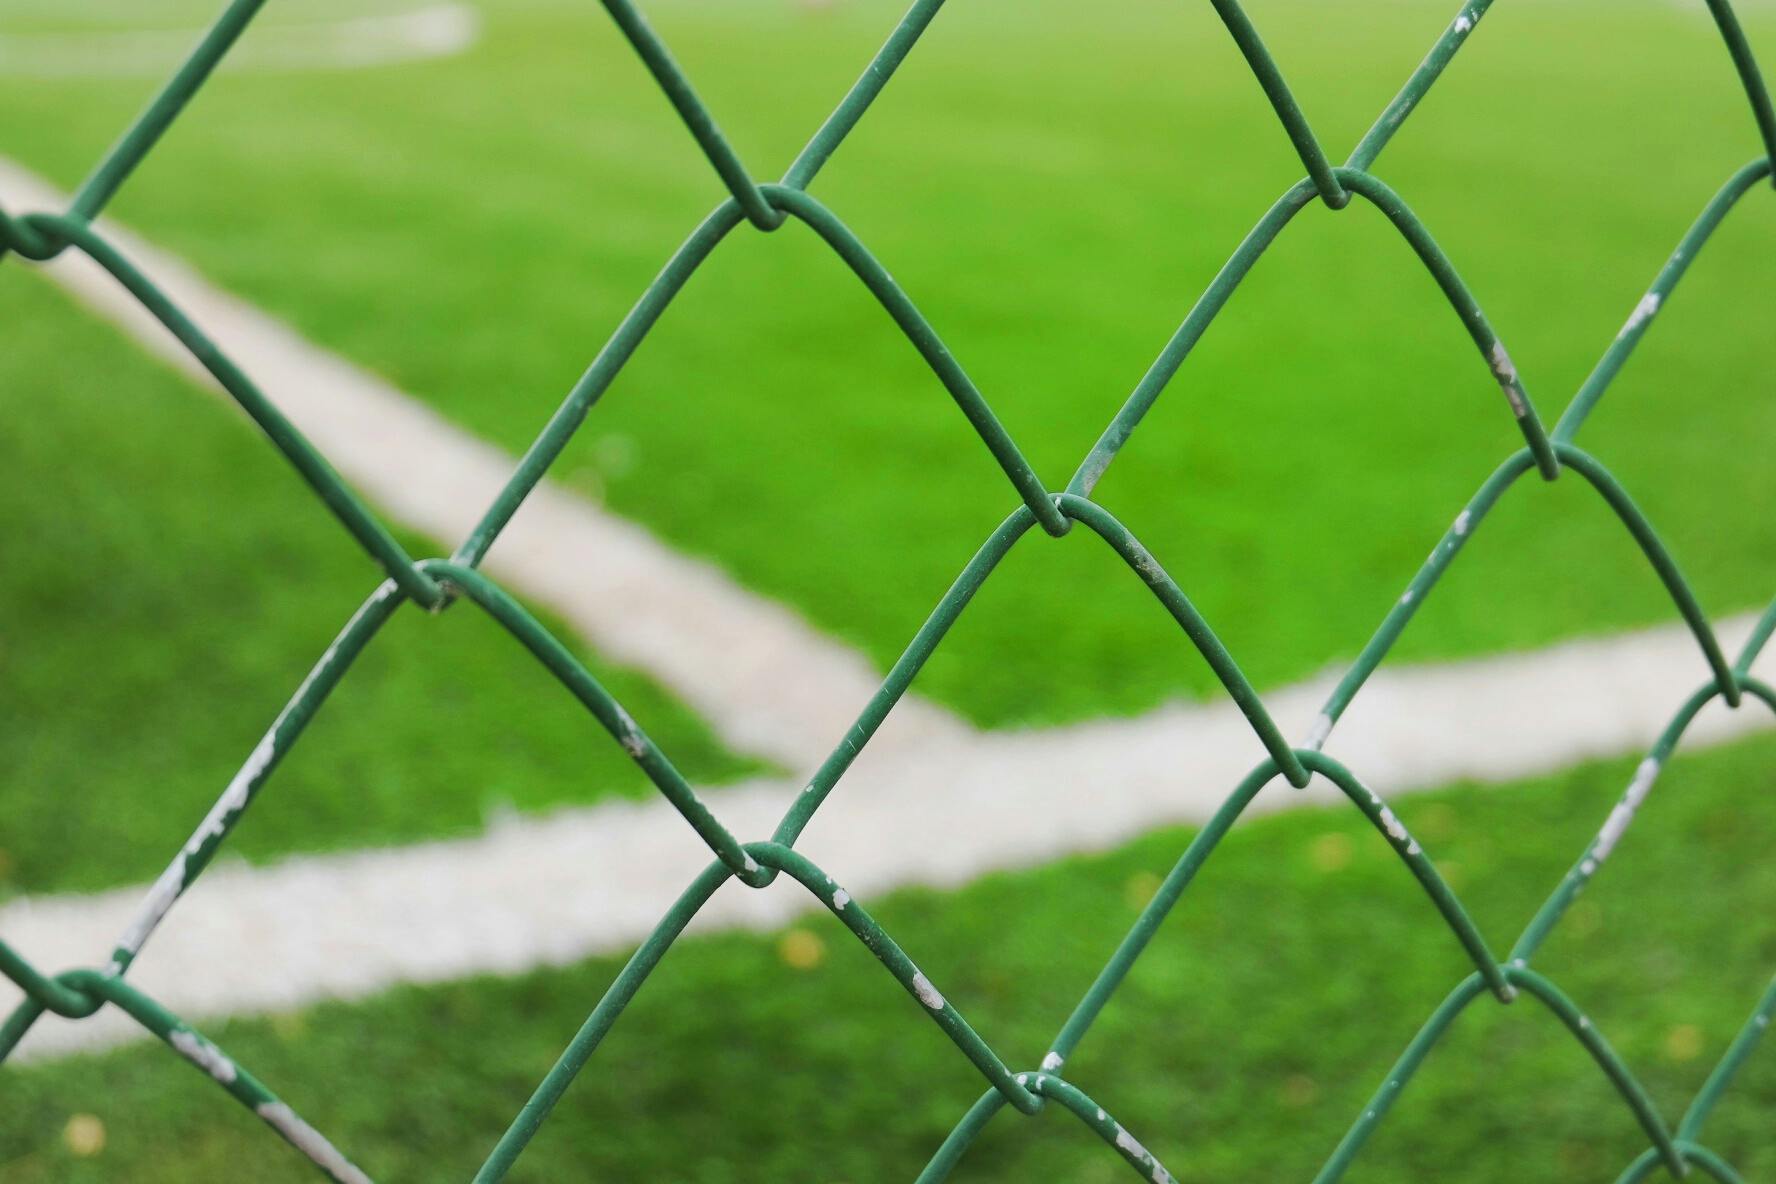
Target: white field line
[
  {"x": 343, "y": 42},
  {"x": 591, "y": 880},
  {"x": 931, "y": 801},
  {"x": 765, "y": 682}
]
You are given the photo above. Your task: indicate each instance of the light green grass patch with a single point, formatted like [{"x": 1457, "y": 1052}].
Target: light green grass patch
[
  {"x": 169, "y": 581},
  {"x": 1054, "y": 186}
]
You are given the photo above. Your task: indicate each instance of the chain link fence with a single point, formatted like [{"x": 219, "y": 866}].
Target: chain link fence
[{"x": 435, "y": 584}]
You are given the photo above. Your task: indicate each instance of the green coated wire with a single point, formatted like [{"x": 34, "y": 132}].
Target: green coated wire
[
  {"x": 433, "y": 583},
  {"x": 328, "y": 486}
]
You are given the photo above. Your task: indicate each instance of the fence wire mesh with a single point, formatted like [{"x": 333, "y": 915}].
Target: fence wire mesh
[{"x": 435, "y": 584}]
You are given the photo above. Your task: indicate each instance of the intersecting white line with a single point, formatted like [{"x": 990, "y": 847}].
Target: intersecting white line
[
  {"x": 931, "y": 801},
  {"x": 590, "y": 880}
]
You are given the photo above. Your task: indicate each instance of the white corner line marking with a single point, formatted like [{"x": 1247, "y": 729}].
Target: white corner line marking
[
  {"x": 550, "y": 890},
  {"x": 931, "y": 801},
  {"x": 764, "y": 680}
]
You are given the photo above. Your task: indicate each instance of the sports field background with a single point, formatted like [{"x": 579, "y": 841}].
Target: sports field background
[{"x": 1054, "y": 188}]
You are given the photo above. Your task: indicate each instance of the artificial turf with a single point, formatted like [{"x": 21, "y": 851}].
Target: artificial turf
[
  {"x": 169, "y": 581},
  {"x": 1054, "y": 186},
  {"x": 1293, "y": 971}
]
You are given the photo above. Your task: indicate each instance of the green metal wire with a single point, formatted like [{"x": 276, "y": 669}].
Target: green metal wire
[{"x": 435, "y": 583}]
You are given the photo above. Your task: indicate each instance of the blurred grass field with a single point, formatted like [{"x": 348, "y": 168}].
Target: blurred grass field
[
  {"x": 1054, "y": 191},
  {"x": 172, "y": 583},
  {"x": 1054, "y": 188},
  {"x": 1290, "y": 976}
]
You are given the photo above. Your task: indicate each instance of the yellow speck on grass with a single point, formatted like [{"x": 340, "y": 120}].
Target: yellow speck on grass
[
  {"x": 85, "y": 1135},
  {"x": 801, "y": 949}
]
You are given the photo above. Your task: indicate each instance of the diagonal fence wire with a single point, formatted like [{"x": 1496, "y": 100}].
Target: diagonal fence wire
[{"x": 436, "y": 583}]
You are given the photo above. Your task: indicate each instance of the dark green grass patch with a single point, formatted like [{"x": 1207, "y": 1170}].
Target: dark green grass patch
[
  {"x": 1254, "y": 1031},
  {"x": 1054, "y": 186},
  {"x": 167, "y": 583}
]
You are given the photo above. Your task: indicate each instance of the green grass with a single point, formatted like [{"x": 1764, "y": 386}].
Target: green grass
[
  {"x": 170, "y": 581},
  {"x": 1055, "y": 187},
  {"x": 1054, "y": 184},
  {"x": 1291, "y": 974}
]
